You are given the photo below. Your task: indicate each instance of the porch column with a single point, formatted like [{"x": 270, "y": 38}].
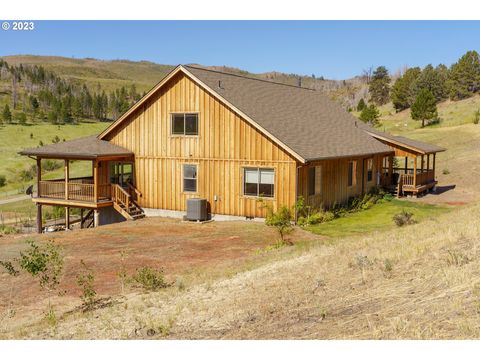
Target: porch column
[
  {"x": 415, "y": 171},
  {"x": 67, "y": 171},
  {"x": 95, "y": 180},
  {"x": 422, "y": 164},
  {"x": 67, "y": 218},
  {"x": 81, "y": 218},
  {"x": 39, "y": 175},
  {"x": 428, "y": 162},
  {"x": 39, "y": 218},
  {"x": 433, "y": 167},
  {"x": 390, "y": 169},
  {"x": 96, "y": 218},
  {"x": 406, "y": 164}
]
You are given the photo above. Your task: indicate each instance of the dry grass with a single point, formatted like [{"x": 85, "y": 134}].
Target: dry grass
[{"x": 418, "y": 282}]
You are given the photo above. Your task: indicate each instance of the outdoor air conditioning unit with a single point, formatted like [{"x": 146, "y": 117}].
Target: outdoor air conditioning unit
[{"x": 197, "y": 209}]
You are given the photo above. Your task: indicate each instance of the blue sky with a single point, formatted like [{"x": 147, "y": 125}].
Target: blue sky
[{"x": 334, "y": 49}]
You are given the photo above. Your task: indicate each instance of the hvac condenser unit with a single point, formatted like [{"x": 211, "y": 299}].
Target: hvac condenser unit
[{"x": 197, "y": 209}]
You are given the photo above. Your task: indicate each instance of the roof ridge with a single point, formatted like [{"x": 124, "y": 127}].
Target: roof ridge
[{"x": 248, "y": 77}]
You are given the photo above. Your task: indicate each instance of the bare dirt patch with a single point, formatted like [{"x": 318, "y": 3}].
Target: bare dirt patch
[{"x": 190, "y": 251}]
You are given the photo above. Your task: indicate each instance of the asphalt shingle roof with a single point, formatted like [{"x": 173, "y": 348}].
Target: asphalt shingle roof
[
  {"x": 89, "y": 147},
  {"x": 305, "y": 120}
]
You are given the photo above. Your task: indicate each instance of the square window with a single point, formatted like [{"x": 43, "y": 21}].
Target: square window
[{"x": 259, "y": 182}]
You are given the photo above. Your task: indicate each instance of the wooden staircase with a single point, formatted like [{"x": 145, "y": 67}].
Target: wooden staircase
[{"x": 125, "y": 204}]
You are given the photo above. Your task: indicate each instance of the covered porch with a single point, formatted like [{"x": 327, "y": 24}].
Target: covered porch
[
  {"x": 415, "y": 170},
  {"x": 107, "y": 180}
]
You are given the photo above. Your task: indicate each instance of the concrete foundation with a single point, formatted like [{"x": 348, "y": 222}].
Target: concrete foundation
[{"x": 180, "y": 214}]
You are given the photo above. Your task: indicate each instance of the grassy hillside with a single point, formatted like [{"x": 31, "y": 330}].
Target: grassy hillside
[
  {"x": 110, "y": 74},
  {"x": 16, "y": 138}
]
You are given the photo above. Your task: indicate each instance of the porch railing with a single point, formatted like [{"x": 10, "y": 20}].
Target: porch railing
[
  {"x": 423, "y": 178},
  {"x": 79, "y": 189}
]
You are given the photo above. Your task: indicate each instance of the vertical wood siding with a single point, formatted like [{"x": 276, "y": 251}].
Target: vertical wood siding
[
  {"x": 226, "y": 143},
  {"x": 335, "y": 189}
]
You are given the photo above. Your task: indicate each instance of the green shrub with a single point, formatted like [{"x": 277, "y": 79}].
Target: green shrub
[
  {"x": 3, "y": 180},
  {"x": 445, "y": 172},
  {"x": 281, "y": 220},
  {"x": 86, "y": 281},
  {"x": 403, "y": 218},
  {"x": 150, "y": 279},
  {"x": 51, "y": 165},
  {"x": 5, "y": 229},
  {"x": 476, "y": 117}
]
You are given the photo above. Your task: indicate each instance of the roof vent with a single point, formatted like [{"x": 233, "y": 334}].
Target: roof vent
[
  {"x": 356, "y": 125},
  {"x": 299, "y": 81},
  {"x": 220, "y": 84}
]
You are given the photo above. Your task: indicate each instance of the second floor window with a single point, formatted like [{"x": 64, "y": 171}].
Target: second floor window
[{"x": 185, "y": 124}]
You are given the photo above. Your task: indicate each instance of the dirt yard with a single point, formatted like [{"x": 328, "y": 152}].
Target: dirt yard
[{"x": 188, "y": 251}]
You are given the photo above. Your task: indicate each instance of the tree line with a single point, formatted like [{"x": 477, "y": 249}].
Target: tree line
[
  {"x": 421, "y": 89},
  {"x": 43, "y": 95}
]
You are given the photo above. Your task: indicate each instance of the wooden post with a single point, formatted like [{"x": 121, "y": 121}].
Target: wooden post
[
  {"x": 428, "y": 162},
  {"x": 406, "y": 164},
  {"x": 67, "y": 218},
  {"x": 39, "y": 175},
  {"x": 95, "y": 180},
  {"x": 67, "y": 170},
  {"x": 390, "y": 169},
  {"x": 39, "y": 218},
  {"x": 422, "y": 165},
  {"x": 81, "y": 218},
  {"x": 433, "y": 167},
  {"x": 415, "y": 171}
]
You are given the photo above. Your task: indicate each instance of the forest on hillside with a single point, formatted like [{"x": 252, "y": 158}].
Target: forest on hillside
[
  {"x": 35, "y": 94},
  {"x": 420, "y": 90}
]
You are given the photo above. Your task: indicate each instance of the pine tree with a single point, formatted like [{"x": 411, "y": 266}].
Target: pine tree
[
  {"x": 361, "y": 105},
  {"x": 402, "y": 94},
  {"x": 370, "y": 115},
  {"x": 433, "y": 80},
  {"x": 7, "y": 115},
  {"x": 379, "y": 87},
  {"x": 464, "y": 76},
  {"x": 425, "y": 106}
]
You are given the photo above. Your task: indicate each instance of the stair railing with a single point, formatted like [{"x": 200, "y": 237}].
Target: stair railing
[{"x": 120, "y": 196}]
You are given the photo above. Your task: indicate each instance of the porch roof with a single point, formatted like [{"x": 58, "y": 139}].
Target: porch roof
[
  {"x": 416, "y": 146},
  {"x": 89, "y": 147}
]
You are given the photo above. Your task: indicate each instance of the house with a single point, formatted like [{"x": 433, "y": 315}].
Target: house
[{"x": 229, "y": 139}]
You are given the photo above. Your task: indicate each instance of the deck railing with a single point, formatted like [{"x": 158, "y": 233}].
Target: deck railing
[
  {"x": 422, "y": 178},
  {"x": 79, "y": 189},
  {"x": 119, "y": 195}
]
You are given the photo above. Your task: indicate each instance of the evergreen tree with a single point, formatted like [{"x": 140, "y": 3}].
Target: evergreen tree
[
  {"x": 424, "y": 108},
  {"x": 370, "y": 115},
  {"x": 22, "y": 118},
  {"x": 402, "y": 94},
  {"x": 7, "y": 115},
  {"x": 464, "y": 76},
  {"x": 361, "y": 105},
  {"x": 379, "y": 87},
  {"x": 433, "y": 80}
]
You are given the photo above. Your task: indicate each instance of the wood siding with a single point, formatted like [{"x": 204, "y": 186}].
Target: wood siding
[
  {"x": 334, "y": 184},
  {"x": 224, "y": 146}
]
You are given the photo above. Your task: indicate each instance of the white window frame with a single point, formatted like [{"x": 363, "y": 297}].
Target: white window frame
[
  {"x": 259, "y": 169},
  {"x": 195, "y": 178}
]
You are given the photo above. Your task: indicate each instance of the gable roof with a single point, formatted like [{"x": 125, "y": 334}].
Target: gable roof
[
  {"x": 89, "y": 147},
  {"x": 304, "y": 122}
]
